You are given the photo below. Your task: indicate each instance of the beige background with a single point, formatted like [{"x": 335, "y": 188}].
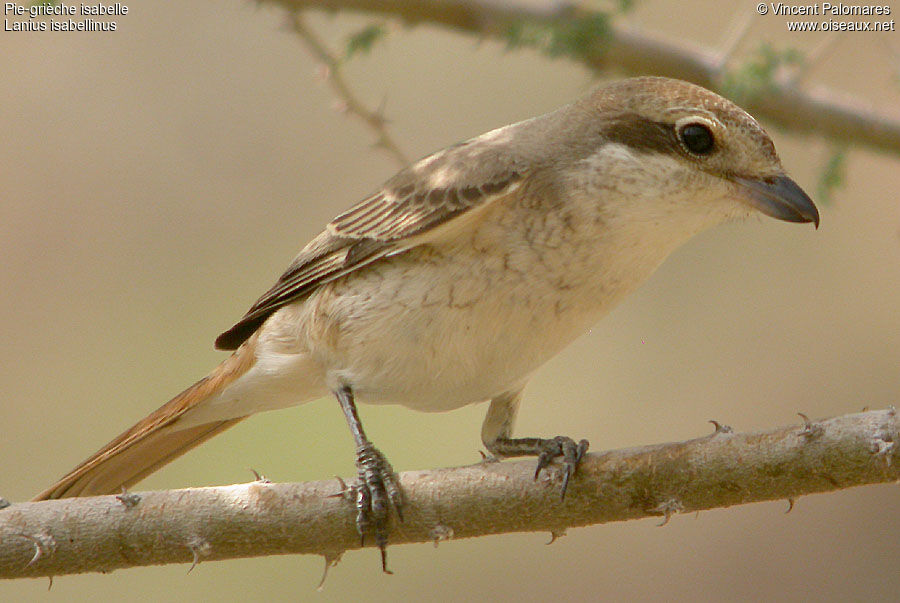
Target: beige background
[{"x": 157, "y": 179}]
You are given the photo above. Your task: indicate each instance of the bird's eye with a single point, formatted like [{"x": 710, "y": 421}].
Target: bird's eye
[{"x": 697, "y": 139}]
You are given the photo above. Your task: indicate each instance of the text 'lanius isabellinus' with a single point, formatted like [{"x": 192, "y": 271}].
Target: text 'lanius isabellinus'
[{"x": 470, "y": 269}]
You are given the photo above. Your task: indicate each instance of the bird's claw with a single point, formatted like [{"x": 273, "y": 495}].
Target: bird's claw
[
  {"x": 571, "y": 453},
  {"x": 377, "y": 491}
]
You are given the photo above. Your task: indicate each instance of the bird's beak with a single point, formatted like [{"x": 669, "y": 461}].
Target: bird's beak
[{"x": 779, "y": 197}]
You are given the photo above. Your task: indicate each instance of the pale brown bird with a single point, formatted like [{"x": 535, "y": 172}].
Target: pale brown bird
[{"x": 470, "y": 269}]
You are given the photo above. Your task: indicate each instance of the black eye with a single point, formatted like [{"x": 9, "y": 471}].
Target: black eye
[{"x": 697, "y": 138}]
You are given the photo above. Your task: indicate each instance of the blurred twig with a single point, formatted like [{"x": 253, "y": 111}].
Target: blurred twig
[
  {"x": 816, "y": 56},
  {"x": 637, "y": 51},
  {"x": 735, "y": 38},
  {"x": 374, "y": 119},
  {"x": 103, "y": 533}
]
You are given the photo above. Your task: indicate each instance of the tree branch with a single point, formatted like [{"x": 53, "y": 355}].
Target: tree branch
[
  {"x": 374, "y": 119},
  {"x": 104, "y": 533},
  {"x": 637, "y": 51}
]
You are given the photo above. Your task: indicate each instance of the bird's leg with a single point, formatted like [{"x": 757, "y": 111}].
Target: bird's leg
[
  {"x": 377, "y": 489},
  {"x": 496, "y": 430}
]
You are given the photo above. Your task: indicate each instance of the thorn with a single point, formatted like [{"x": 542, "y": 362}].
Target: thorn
[
  {"x": 331, "y": 560},
  {"x": 346, "y": 492},
  {"x": 43, "y": 544},
  {"x": 810, "y": 430},
  {"x": 790, "y": 508},
  {"x": 199, "y": 548},
  {"x": 668, "y": 508},
  {"x": 883, "y": 447},
  {"x": 736, "y": 35},
  {"x": 323, "y": 72},
  {"x": 384, "y": 561},
  {"x": 341, "y": 481},
  {"x": 378, "y": 118},
  {"x": 554, "y": 536},
  {"x": 340, "y": 106},
  {"x": 38, "y": 552},
  {"x": 259, "y": 476},
  {"x": 440, "y": 532},
  {"x": 381, "y": 143},
  {"x": 49, "y": 583},
  {"x": 381, "y": 111},
  {"x": 488, "y": 457},
  {"x": 129, "y": 499},
  {"x": 721, "y": 427}
]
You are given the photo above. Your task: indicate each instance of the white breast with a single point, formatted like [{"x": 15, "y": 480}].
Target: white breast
[{"x": 443, "y": 326}]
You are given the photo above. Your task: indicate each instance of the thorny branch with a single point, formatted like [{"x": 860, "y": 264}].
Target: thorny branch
[
  {"x": 103, "y": 533},
  {"x": 374, "y": 119},
  {"x": 722, "y": 469},
  {"x": 637, "y": 51}
]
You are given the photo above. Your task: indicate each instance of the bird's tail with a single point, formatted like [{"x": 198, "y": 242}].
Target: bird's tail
[{"x": 156, "y": 439}]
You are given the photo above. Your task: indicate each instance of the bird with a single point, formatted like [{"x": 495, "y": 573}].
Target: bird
[{"x": 466, "y": 271}]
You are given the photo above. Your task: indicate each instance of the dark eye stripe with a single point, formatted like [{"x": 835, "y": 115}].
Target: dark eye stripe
[{"x": 642, "y": 134}]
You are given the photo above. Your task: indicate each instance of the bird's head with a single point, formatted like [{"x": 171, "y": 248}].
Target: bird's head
[{"x": 682, "y": 150}]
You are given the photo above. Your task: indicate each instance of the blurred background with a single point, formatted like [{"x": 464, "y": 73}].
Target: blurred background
[{"x": 158, "y": 178}]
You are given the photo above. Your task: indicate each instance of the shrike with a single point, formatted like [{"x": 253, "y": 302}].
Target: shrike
[{"x": 469, "y": 270}]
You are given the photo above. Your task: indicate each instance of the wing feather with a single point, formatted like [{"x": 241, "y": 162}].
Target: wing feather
[{"x": 420, "y": 198}]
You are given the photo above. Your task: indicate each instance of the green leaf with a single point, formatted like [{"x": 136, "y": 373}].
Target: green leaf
[
  {"x": 579, "y": 36},
  {"x": 756, "y": 75},
  {"x": 833, "y": 174},
  {"x": 362, "y": 41}
]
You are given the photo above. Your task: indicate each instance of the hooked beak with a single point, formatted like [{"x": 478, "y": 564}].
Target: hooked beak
[{"x": 779, "y": 197}]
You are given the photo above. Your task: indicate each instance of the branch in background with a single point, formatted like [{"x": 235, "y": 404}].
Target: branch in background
[
  {"x": 104, "y": 533},
  {"x": 636, "y": 51},
  {"x": 374, "y": 119}
]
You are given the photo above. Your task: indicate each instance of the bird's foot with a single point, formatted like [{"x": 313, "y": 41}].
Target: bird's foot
[
  {"x": 376, "y": 492},
  {"x": 571, "y": 453},
  {"x": 546, "y": 450}
]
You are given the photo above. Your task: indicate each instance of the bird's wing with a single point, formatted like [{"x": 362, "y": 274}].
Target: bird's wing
[{"x": 408, "y": 211}]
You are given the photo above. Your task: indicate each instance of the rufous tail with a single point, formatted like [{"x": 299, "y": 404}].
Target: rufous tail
[{"x": 155, "y": 440}]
